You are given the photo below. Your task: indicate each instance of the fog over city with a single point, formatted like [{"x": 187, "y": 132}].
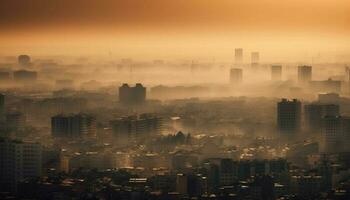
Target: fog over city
[{"x": 163, "y": 99}]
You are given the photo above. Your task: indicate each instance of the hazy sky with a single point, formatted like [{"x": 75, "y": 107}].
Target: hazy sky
[{"x": 173, "y": 24}]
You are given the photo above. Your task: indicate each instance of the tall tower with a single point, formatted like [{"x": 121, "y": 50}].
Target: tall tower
[
  {"x": 276, "y": 72},
  {"x": 238, "y": 56},
  {"x": 289, "y": 116},
  {"x": 304, "y": 74}
]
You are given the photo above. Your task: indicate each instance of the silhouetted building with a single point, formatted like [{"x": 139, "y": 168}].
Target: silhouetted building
[
  {"x": 18, "y": 161},
  {"x": 74, "y": 125},
  {"x": 289, "y": 116},
  {"x": 2, "y": 105},
  {"x": 4, "y": 76},
  {"x": 336, "y": 133},
  {"x": 304, "y": 74},
  {"x": 24, "y": 60},
  {"x": 65, "y": 84},
  {"x": 134, "y": 126},
  {"x": 328, "y": 98},
  {"x": 314, "y": 114},
  {"x": 132, "y": 95},
  {"x": 238, "y": 56},
  {"x": 236, "y": 76},
  {"x": 255, "y": 57},
  {"x": 25, "y": 76},
  {"x": 326, "y": 86},
  {"x": 276, "y": 72},
  {"x": 15, "y": 120}
]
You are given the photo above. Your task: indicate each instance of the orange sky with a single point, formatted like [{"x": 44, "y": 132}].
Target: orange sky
[{"x": 171, "y": 24}]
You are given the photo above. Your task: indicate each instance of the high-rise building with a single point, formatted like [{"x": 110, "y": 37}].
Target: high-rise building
[
  {"x": 276, "y": 72},
  {"x": 132, "y": 95},
  {"x": 15, "y": 120},
  {"x": 289, "y": 116},
  {"x": 238, "y": 56},
  {"x": 25, "y": 76},
  {"x": 314, "y": 114},
  {"x": 304, "y": 74},
  {"x": 328, "y": 98},
  {"x": 18, "y": 161},
  {"x": 134, "y": 126},
  {"x": 336, "y": 134},
  {"x": 255, "y": 57},
  {"x": 24, "y": 60},
  {"x": 2, "y": 105},
  {"x": 236, "y": 76},
  {"x": 73, "y": 126}
]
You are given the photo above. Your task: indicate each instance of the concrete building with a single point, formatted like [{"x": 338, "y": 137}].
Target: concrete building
[
  {"x": 276, "y": 72},
  {"x": 336, "y": 134},
  {"x": 73, "y": 126},
  {"x": 289, "y": 116},
  {"x": 15, "y": 120},
  {"x": 315, "y": 112},
  {"x": 132, "y": 95},
  {"x": 304, "y": 74},
  {"x": 23, "y": 60},
  {"x": 135, "y": 126},
  {"x": 236, "y": 76},
  {"x": 18, "y": 161},
  {"x": 238, "y": 56},
  {"x": 329, "y": 85},
  {"x": 25, "y": 76},
  {"x": 329, "y": 98},
  {"x": 255, "y": 57}
]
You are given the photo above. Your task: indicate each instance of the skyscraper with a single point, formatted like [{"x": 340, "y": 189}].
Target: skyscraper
[
  {"x": 135, "y": 126},
  {"x": 132, "y": 95},
  {"x": 336, "y": 135},
  {"x": 255, "y": 57},
  {"x": 73, "y": 126},
  {"x": 314, "y": 114},
  {"x": 2, "y": 105},
  {"x": 289, "y": 116},
  {"x": 276, "y": 72},
  {"x": 238, "y": 56},
  {"x": 236, "y": 76},
  {"x": 18, "y": 161},
  {"x": 24, "y": 60},
  {"x": 304, "y": 74}
]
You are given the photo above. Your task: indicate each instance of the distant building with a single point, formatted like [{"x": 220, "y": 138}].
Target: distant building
[
  {"x": 65, "y": 84},
  {"x": 4, "y": 76},
  {"x": 336, "y": 135},
  {"x": 25, "y": 76},
  {"x": 255, "y": 57},
  {"x": 24, "y": 60},
  {"x": 238, "y": 56},
  {"x": 73, "y": 126},
  {"x": 236, "y": 76},
  {"x": 132, "y": 95},
  {"x": 289, "y": 116},
  {"x": 304, "y": 74},
  {"x": 15, "y": 120},
  {"x": 329, "y": 98},
  {"x": 135, "y": 126},
  {"x": 276, "y": 72},
  {"x": 18, "y": 161},
  {"x": 326, "y": 86},
  {"x": 2, "y": 105},
  {"x": 314, "y": 114}
]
